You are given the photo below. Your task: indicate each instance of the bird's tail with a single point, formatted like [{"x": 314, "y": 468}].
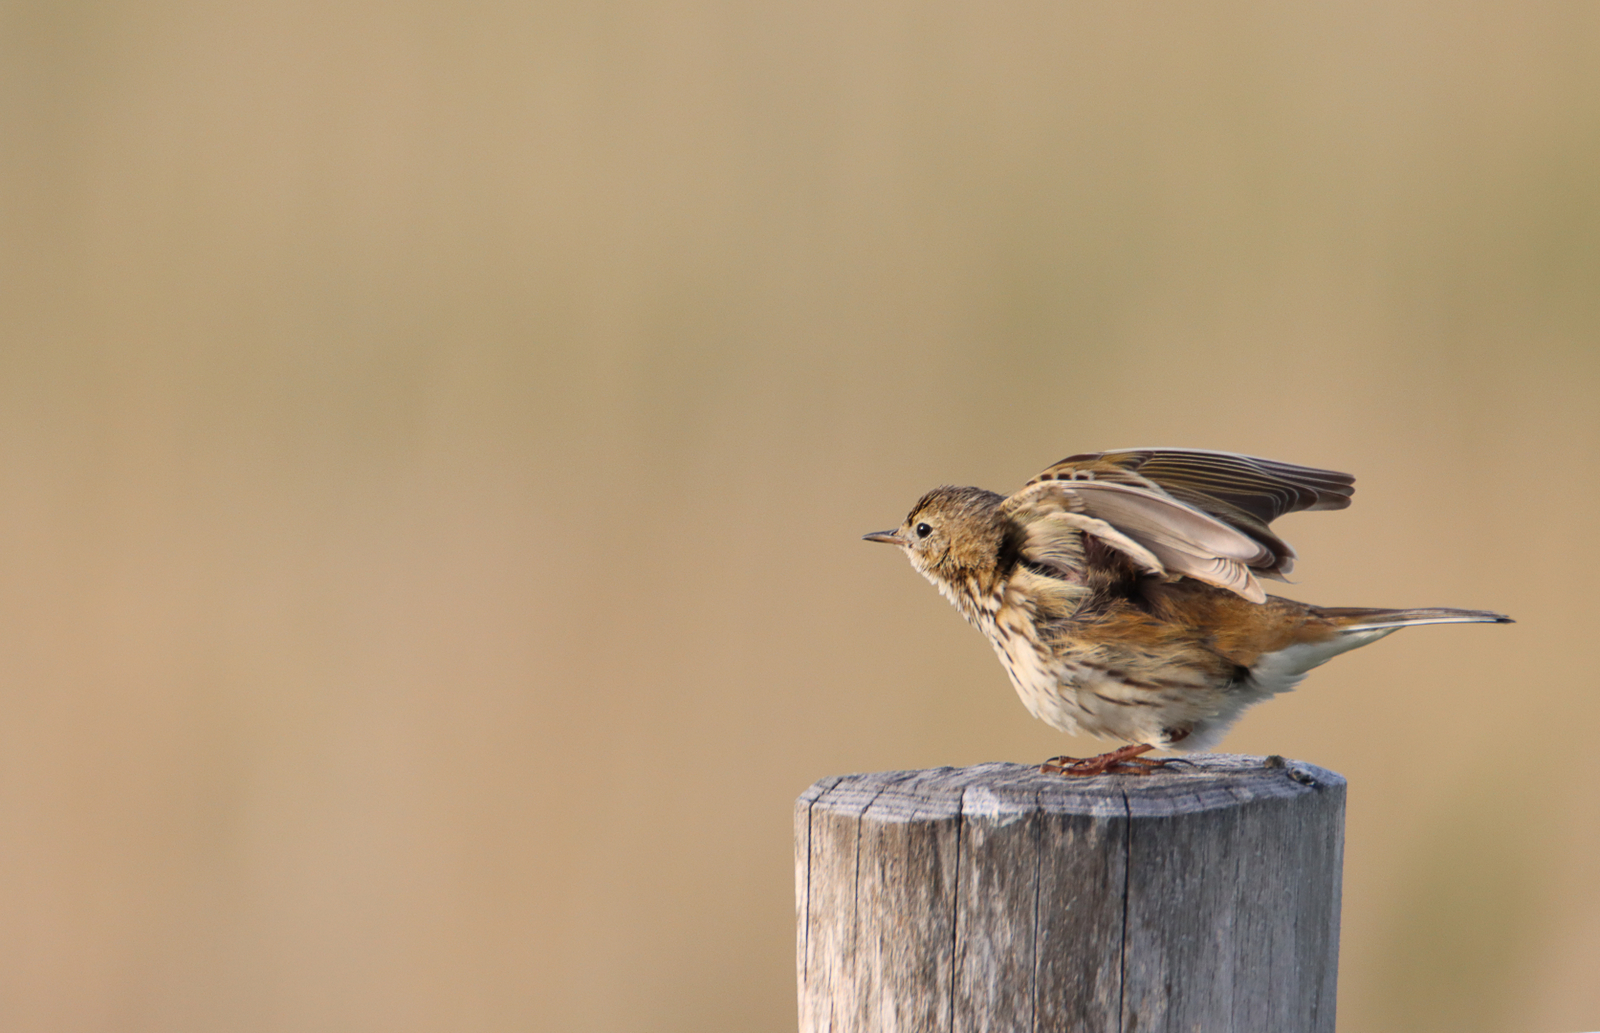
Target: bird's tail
[{"x": 1356, "y": 618}]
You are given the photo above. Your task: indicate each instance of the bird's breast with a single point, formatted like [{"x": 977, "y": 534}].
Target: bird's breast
[{"x": 1045, "y": 679}]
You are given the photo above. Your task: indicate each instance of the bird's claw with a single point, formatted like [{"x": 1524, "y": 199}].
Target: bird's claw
[{"x": 1124, "y": 761}]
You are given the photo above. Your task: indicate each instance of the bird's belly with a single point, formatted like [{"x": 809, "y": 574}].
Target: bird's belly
[{"x": 1074, "y": 695}]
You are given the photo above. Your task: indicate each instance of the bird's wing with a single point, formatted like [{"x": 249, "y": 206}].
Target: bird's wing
[
  {"x": 1244, "y": 492},
  {"x": 1159, "y": 533}
]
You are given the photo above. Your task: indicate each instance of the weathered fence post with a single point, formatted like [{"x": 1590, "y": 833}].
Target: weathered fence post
[{"x": 1203, "y": 897}]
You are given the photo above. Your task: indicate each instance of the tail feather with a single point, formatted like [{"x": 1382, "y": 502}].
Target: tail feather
[{"x": 1353, "y": 618}]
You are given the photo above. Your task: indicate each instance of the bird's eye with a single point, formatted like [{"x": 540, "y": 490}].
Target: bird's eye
[{"x": 923, "y": 530}]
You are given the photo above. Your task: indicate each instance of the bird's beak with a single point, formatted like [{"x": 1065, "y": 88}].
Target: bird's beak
[{"x": 888, "y": 537}]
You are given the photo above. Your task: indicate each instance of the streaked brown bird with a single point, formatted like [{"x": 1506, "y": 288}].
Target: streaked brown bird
[{"x": 1120, "y": 591}]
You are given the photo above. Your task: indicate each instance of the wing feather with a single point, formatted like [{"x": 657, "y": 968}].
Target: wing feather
[
  {"x": 1142, "y": 524},
  {"x": 1244, "y": 492}
]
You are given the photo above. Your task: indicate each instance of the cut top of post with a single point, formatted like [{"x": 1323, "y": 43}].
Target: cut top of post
[{"x": 997, "y": 790}]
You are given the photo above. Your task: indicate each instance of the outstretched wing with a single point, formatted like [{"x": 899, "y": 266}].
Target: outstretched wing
[
  {"x": 1158, "y": 534},
  {"x": 1244, "y": 492}
]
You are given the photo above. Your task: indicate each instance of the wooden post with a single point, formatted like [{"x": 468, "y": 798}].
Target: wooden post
[{"x": 1204, "y": 897}]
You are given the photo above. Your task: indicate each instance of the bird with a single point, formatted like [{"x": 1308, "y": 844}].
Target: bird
[{"x": 1122, "y": 592}]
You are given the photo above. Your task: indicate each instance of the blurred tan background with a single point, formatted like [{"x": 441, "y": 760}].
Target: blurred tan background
[{"x": 435, "y": 440}]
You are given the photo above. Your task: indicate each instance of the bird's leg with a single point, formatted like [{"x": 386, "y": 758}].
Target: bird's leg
[{"x": 1123, "y": 761}]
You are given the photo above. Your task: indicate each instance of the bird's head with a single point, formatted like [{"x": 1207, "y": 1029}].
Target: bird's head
[{"x": 949, "y": 531}]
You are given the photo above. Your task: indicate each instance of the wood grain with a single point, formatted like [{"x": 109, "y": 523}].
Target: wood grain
[{"x": 1202, "y": 897}]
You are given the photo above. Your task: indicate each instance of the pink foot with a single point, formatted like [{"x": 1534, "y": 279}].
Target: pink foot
[{"x": 1124, "y": 761}]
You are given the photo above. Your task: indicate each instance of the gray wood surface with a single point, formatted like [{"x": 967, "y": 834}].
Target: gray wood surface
[{"x": 1204, "y": 897}]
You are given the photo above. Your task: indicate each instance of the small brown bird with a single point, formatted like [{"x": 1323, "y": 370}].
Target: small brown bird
[{"x": 1120, "y": 591}]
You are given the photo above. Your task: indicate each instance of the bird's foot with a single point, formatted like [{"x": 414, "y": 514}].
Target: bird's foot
[{"x": 1124, "y": 761}]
